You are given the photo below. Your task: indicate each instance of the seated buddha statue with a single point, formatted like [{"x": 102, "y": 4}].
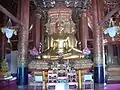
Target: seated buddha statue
[{"x": 61, "y": 45}]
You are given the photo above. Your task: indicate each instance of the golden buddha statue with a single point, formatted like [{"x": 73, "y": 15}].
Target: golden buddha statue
[
  {"x": 60, "y": 41},
  {"x": 61, "y": 44}
]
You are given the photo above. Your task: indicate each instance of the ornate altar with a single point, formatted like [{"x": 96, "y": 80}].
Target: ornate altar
[{"x": 60, "y": 43}]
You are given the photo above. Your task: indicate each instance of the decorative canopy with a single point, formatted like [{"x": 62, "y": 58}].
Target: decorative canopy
[{"x": 60, "y": 14}]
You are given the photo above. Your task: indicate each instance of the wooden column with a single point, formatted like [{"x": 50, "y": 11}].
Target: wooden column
[
  {"x": 43, "y": 20},
  {"x": 3, "y": 47},
  {"x": 84, "y": 28},
  {"x": 99, "y": 78},
  {"x": 110, "y": 54},
  {"x": 37, "y": 32},
  {"x": 5, "y": 19},
  {"x": 22, "y": 70}
]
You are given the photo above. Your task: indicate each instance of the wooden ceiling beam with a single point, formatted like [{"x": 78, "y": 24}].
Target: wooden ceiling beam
[
  {"x": 112, "y": 12},
  {"x": 7, "y": 13}
]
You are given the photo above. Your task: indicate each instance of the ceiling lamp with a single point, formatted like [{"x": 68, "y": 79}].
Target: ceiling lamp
[
  {"x": 112, "y": 29},
  {"x": 9, "y": 30}
]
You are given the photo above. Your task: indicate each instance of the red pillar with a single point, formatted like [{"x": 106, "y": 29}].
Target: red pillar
[
  {"x": 5, "y": 19},
  {"x": 84, "y": 28},
  {"x": 3, "y": 47}
]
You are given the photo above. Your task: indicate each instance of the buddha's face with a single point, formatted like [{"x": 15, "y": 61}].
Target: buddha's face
[{"x": 60, "y": 26}]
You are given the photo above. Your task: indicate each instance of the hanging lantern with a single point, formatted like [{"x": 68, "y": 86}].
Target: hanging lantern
[
  {"x": 8, "y": 30},
  {"x": 112, "y": 29}
]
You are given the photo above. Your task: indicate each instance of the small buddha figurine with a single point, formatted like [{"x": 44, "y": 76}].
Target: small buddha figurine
[{"x": 62, "y": 45}]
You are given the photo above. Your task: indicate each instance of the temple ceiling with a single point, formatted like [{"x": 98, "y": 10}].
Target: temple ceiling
[
  {"x": 41, "y": 6},
  {"x": 77, "y": 5}
]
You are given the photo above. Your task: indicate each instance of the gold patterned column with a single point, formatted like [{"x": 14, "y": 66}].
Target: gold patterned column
[
  {"x": 99, "y": 78},
  {"x": 22, "y": 70}
]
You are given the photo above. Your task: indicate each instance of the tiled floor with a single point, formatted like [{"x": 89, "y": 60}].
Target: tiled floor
[{"x": 12, "y": 86}]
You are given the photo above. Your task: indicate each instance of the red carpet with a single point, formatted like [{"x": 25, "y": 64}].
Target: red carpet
[{"x": 12, "y": 86}]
